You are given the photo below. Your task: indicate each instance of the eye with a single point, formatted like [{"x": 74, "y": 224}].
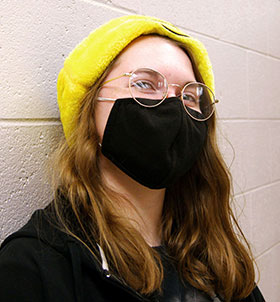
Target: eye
[
  {"x": 190, "y": 101},
  {"x": 143, "y": 85}
]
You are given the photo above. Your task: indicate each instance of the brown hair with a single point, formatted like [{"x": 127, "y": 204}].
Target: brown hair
[{"x": 197, "y": 221}]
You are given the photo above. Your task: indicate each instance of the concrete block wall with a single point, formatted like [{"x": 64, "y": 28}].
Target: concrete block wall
[{"x": 243, "y": 40}]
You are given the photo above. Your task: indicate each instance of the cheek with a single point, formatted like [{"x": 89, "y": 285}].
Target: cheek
[{"x": 102, "y": 111}]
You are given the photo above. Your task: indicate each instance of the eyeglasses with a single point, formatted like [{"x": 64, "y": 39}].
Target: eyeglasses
[{"x": 149, "y": 88}]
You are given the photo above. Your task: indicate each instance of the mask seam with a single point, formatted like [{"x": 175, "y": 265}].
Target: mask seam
[{"x": 177, "y": 135}]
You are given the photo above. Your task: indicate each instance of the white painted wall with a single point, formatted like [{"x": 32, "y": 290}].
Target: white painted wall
[{"x": 243, "y": 39}]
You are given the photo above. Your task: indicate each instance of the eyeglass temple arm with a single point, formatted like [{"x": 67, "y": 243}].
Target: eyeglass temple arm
[
  {"x": 118, "y": 77},
  {"x": 106, "y": 99},
  {"x": 123, "y": 75},
  {"x": 214, "y": 102}
]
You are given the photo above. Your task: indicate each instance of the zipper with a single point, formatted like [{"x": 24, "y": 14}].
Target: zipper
[{"x": 114, "y": 280}]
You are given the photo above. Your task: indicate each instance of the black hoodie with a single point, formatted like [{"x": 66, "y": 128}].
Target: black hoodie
[{"x": 41, "y": 263}]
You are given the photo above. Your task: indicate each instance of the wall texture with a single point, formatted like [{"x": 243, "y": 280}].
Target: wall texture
[{"x": 243, "y": 39}]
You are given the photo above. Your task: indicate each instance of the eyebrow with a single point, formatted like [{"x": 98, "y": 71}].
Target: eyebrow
[
  {"x": 186, "y": 83},
  {"x": 189, "y": 82}
]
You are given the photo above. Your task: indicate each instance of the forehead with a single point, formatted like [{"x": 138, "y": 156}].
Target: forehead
[{"x": 159, "y": 53}]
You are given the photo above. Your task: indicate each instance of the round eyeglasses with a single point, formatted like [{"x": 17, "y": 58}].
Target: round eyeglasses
[{"x": 149, "y": 88}]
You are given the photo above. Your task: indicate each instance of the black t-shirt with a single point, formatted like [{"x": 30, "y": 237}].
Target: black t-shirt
[{"x": 173, "y": 289}]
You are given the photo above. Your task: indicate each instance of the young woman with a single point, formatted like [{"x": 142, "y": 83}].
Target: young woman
[{"x": 142, "y": 204}]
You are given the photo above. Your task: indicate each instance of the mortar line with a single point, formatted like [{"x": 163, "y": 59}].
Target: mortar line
[
  {"x": 121, "y": 9},
  {"x": 111, "y": 6},
  {"x": 117, "y": 8},
  {"x": 29, "y": 121},
  {"x": 255, "y": 189},
  {"x": 248, "y": 119},
  {"x": 267, "y": 250},
  {"x": 215, "y": 38}
]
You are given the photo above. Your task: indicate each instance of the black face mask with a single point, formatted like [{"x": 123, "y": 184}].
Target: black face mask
[{"x": 155, "y": 146}]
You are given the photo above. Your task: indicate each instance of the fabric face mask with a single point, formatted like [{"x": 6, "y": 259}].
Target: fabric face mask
[{"x": 155, "y": 146}]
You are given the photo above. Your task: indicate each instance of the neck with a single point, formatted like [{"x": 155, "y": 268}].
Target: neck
[{"x": 147, "y": 202}]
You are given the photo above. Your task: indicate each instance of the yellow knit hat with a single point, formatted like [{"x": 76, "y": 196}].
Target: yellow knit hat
[{"x": 91, "y": 57}]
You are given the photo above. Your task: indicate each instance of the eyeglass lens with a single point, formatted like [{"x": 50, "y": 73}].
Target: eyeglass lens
[
  {"x": 198, "y": 97},
  {"x": 147, "y": 83}
]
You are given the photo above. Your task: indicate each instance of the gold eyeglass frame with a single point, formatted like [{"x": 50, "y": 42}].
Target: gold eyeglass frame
[{"x": 164, "y": 97}]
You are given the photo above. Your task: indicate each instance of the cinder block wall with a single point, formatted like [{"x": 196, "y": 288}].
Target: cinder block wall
[{"x": 243, "y": 41}]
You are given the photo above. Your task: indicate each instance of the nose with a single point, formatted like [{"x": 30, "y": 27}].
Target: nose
[{"x": 173, "y": 90}]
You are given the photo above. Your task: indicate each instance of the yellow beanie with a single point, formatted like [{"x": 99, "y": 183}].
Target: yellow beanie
[{"x": 86, "y": 63}]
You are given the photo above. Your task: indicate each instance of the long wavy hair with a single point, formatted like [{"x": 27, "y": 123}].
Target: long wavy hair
[{"x": 199, "y": 230}]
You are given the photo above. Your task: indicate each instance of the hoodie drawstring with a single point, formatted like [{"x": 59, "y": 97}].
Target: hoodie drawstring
[{"x": 105, "y": 266}]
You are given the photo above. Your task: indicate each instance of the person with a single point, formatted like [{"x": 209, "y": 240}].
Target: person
[{"x": 141, "y": 210}]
